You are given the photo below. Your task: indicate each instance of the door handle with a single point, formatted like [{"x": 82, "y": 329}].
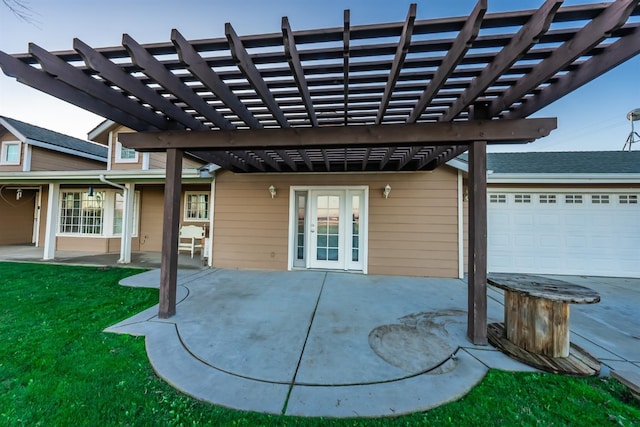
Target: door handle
[{"x": 313, "y": 228}]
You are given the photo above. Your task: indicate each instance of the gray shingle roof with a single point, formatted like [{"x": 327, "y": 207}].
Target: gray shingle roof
[
  {"x": 564, "y": 162},
  {"x": 56, "y": 139}
]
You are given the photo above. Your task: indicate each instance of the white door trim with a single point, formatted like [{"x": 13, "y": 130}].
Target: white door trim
[{"x": 364, "y": 220}]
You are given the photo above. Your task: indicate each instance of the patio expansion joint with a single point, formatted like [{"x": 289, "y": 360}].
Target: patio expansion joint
[{"x": 304, "y": 345}]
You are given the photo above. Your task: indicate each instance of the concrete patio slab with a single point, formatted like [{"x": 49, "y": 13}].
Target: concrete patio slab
[
  {"x": 328, "y": 344},
  {"x": 414, "y": 394}
]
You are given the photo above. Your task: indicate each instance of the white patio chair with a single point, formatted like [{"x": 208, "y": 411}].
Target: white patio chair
[{"x": 190, "y": 238}]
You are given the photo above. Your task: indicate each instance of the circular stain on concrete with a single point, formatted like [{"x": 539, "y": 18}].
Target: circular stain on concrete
[{"x": 417, "y": 345}]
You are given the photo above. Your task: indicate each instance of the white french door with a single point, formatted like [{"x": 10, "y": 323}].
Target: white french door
[
  {"x": 330, "y": 228},
  {"x": 327, "y": 230}
]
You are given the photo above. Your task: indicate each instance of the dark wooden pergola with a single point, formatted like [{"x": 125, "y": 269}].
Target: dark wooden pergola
[{"x": 400, "y": 96}]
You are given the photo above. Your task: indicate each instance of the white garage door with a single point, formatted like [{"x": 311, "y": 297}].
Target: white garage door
[{"x": 580, "y": 233}]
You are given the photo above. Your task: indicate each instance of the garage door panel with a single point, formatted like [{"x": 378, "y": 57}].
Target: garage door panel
[
  {"x": 523, "y": 219},
  {"x": 569, "y": 233}
]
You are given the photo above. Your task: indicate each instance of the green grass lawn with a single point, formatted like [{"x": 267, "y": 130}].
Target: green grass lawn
[{"x": 57, "y": 367}]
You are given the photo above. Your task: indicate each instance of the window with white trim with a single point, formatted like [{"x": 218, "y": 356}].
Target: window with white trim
[
  {"x": 95, "y": 213},
  {"x": 10, "y": 153},
  {"x": 81, "y": 212},
  {"x": 497, "y": 198},
  {"x": 196, "y": 206},
  {"x": 124, "y": 154},
  {"x": 118, "y": 207}
]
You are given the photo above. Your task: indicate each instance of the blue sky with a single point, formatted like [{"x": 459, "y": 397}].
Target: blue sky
[{"x": 591, "y": 118}]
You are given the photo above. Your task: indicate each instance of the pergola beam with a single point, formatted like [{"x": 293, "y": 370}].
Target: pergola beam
[
  {"x": 250, "y": 161},
  {"x": 251, "y": 72},
  {"x": 387, "y": 157},
  {"x": 305, "y": 158},
  {"x": 199, "y": 67},
  {"x": 156, "y": 71},
  {"x": 365, "y": 159},
  {"x": 268, "y": 160},
  {"x": 625, "y": 48},
  {"x": 221, "y": 159},
  {"x": 346, "y": 35},
  {"x": 42, "y": 81},
  {"x": 325, "y": 157},
  {"x": 449, "y": 133},
  {"x": 409, "y": 156},
  {"x": 73, "y": 77},
  {"x": 456, "y": 53},
  {"x": 522, "y": 42},
  {"x": 433, "y": 155},
  {"x": 293, "y": 58},
  {"x": 115, "y": 75},
  {"x": 287, "y": 159},
  {"x": 398, "y": 60},
  {"x": 589, "y": 36}
]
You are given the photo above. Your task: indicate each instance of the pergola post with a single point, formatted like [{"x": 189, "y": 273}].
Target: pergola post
[
  {"x": 170, "y": 226},
  {"x": 477, "y": 269}
]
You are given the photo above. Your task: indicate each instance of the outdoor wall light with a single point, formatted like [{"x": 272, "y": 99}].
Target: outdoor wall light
[
  {"x": 272, "y": 191},
  {"x": 19, "y": 194},
  {"x": 386, "y": 191}
]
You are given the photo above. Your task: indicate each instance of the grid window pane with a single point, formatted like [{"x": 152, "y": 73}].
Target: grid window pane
[
  {"x": 13, "y": 153},
  {"x": 196, "y": 207},
  {"x": 117, "y": 214},
  {"x": 81, "y": 213},
  {"x": 127, "y": 153}
]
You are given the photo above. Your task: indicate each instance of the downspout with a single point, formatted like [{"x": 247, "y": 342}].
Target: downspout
[
  {"x": 113, "y": 184},
  {"x": 125, "y": 238}
]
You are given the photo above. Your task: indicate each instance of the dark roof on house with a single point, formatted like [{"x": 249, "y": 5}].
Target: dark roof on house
[
  {"x": 55, "y": 139},
  {"x": 564, "y": 162}
]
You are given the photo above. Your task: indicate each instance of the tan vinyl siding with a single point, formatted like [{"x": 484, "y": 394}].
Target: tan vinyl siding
[
  {"x": 49, "y": 160},
  {"x": 82, "y": 244},
  {"x": 16, "y": 216},
  {"x": 159, "y": 161},
  {"x": 93, "y": 244},
  {"x": 113, "y": 244},
  {"x": 413, "y": 232},
  {"x": 151, "y": 208},
  {"x": 11, "y": 168}
]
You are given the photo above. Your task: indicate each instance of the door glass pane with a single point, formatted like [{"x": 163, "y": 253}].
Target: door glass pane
[
  {"x": 328, "y": 220},
  {"x": 355, "y": 228},
  {"x": 301, "y": 209}
]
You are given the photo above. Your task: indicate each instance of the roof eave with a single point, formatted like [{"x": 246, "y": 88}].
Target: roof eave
[
  {"x": 105, "y": 126},
  {"x": 563, "y": 178},
  {"x": 65, "y": 150},
  {"x": 93, "y": 176}
]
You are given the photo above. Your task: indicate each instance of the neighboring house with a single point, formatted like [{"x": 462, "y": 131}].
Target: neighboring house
[
  {"x": 100, "y": 191},
  {"x": 28, "y": 151},
  {"x": 564, "y": 213}
]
